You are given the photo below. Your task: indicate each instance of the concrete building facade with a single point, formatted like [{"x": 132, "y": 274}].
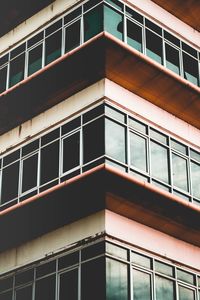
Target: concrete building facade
[{"x": 100, "y": 150}]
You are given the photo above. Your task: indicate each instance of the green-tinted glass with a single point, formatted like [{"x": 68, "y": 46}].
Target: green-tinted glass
[
  {"x": 113, "y": 22},
  {"x": 164, "y": 288},
  {"x": 93, "y": 22},
  {"x": 141, "y": 285}
]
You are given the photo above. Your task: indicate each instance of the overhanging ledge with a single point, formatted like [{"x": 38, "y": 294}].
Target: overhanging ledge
[
  {"x": 103, "y": 187},
  {"x": 100, "y": 57}
]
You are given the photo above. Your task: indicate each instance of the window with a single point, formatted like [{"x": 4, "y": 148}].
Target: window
[
  {"x": 172, "y": 59},
  {"x": 17, "y": 70},
  {"x": 138, "y": 152},
  {"x": 72, "y": 36},
  {"x": 154, "y": 46},
  {"x": 134, "y": 35},
  {"x": 142, "y": 285},
  {"x": 195, "y": 172},
  {"x": 68, "y": 285},
  {"x": 159, "y": 162},
  {"x": 53, "y": 47},
  {"x": 180, "y": 173},
  {"x": 35, "y": 59},
  {"x": 24, "y": 293},
  {"x": 9, "y": 188},
  {"x": 29, "y": 173},
  {"x": 71, "y": 152},
  {"x": 45, "y": 288},
  {"x": 3, "y": 79},
  {"x": 190, "y": 66},
  {"x": 93, "y": 22},
  {"x": 113, "y": 22}
]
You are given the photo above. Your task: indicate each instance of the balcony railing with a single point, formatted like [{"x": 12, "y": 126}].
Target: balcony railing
[
  {"x": 87, "y": 20},
  {"x": 102, "y": 134}
]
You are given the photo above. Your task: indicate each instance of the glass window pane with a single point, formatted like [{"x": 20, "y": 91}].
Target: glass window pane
[
  {"x": 10, "y": 178},
  {"x": 93, "y": 22},
  {"x": 72, "y": 36},
  {"x": 164, "y": 288},
  {"x": 114, "y": 113},
  {"x": 93, "y": 140},
  {"x": 46, "y": 268},
  {"x": 180, "y": 176},
  {"x": 141, "y": 260},
  {"x": 3, "y": 79},
  {"x": 68, "y": 260},
  {"x": 195, "y": 155},
  {"x": 116, "y": 280},
  {"x": 195, "y": 170},
  {"x": 113, "y": 22},
  {"x": 116, "y": 251},
  {"x": 24, "y": 277},
  {"x": 68, "y": 288},
  {"x": 115, "y": 140},
  {"x": 185, "y": 276},
  {"x": 54, "y": 27},
  {"x": 178, "y": 146},
  {"x": 134, "y": 35},
  {"x": 45, "y": 288},
  {"x": 172, "y": 59},
  {"x": 53, "y": 47},
  {"x": 6, "y": 296},
  {"x": 154, "y": 46},
  {"x": 153, "y": 26},
  {"x": 163, "y": 268},
  {"x": 142, "y": 285},
  {"x": 159, "y": 162},
  {"x": 6, "y": 283},
  {"x": 186, "y": 294},
  {"x": 29, "y": 176},
  {"x": 134, "y": 15},
  {"x": 24, "y": 293},
  {"x": 49, "y": 162},
  {"x": 35, "y": 60},
  {"x": 158, "y": 136},
  {"x": 16, "y": 70},
  {"x": 71, "y": 152},
  {"x": 138, "y": 151},
  {"x": 73, "y": 15},
  {"x": 190, "y": 66},
  {"x": 93, "y": 280},
  {"x": 137, "y": 125}
]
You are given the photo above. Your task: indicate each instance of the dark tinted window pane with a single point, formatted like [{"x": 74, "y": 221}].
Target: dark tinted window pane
[
  {"x": 92, "y": 114},
  {"x": 24, "y": 277},
  {"x": 71, "y": 125},
  {"x": 116, "y": 4},
  {"x": 69, "y": 285},
  {"x": 35, "y": 60},
  {"x": 115, "y": 140},
  {"x": 93, "y": 250},
  {"x": 16, "y": 70},
  {"x": 172, "y": 59},
  {"x": 159, "y": 162},
  {"x": 11, "y": 157},
  {"x": 72, "y": 15},
  {"x": 6, "y": 296},
  {"x": 53, "y": 27},
  {"x": 186, "y": 294},
  {"x": 90, "y": 4},
  {"x": 153, "y": 26},
  {"x": 53, "y": 47},
  {"x": 113, "y": 22},
  {"x": 24, "y": 293},
  {"x": 116, "y": 280},
  {"x": 171, "y": 38},
  {"x": 180, "y": 176},
  {"x": 134, "y": 15},
  {"x": 93, "y": 140},
  {"x": 68, "y": 260},
  {"x": 93, "y": 272},
  {"x": 164, "y": 289},
  {"x": 49, "y": 162},
  {"x": 46, "y": 269},
  {"x": 45, "y": 288},
  {"x": 72, "y": 36},
  {"x": 195, "y": 170},
  {"x": 17, "y": 51},
  {"x": 71, "y": 152},
  {"x": 189, "y": 49},
  {"x": 134, "y": 35},
  {"x": 30, "y": 147},
  {"x": 50, "y": 136},
  {"x": 154, "y": 46},
  {"x": 3, "y": 79},
  {"x": 35, "y": 39},
  {"x": 29, "y": 179},
  {"x": 141, "y": 285},
  {"x": 93, "y": 22},
  {"x": 138, "y": 151},
  {"x": 6, "y": 283},
  {"x": 10, "y": 179},
  {"x": 190, "y": 67},
  {"x": 3, "y": 59}
]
